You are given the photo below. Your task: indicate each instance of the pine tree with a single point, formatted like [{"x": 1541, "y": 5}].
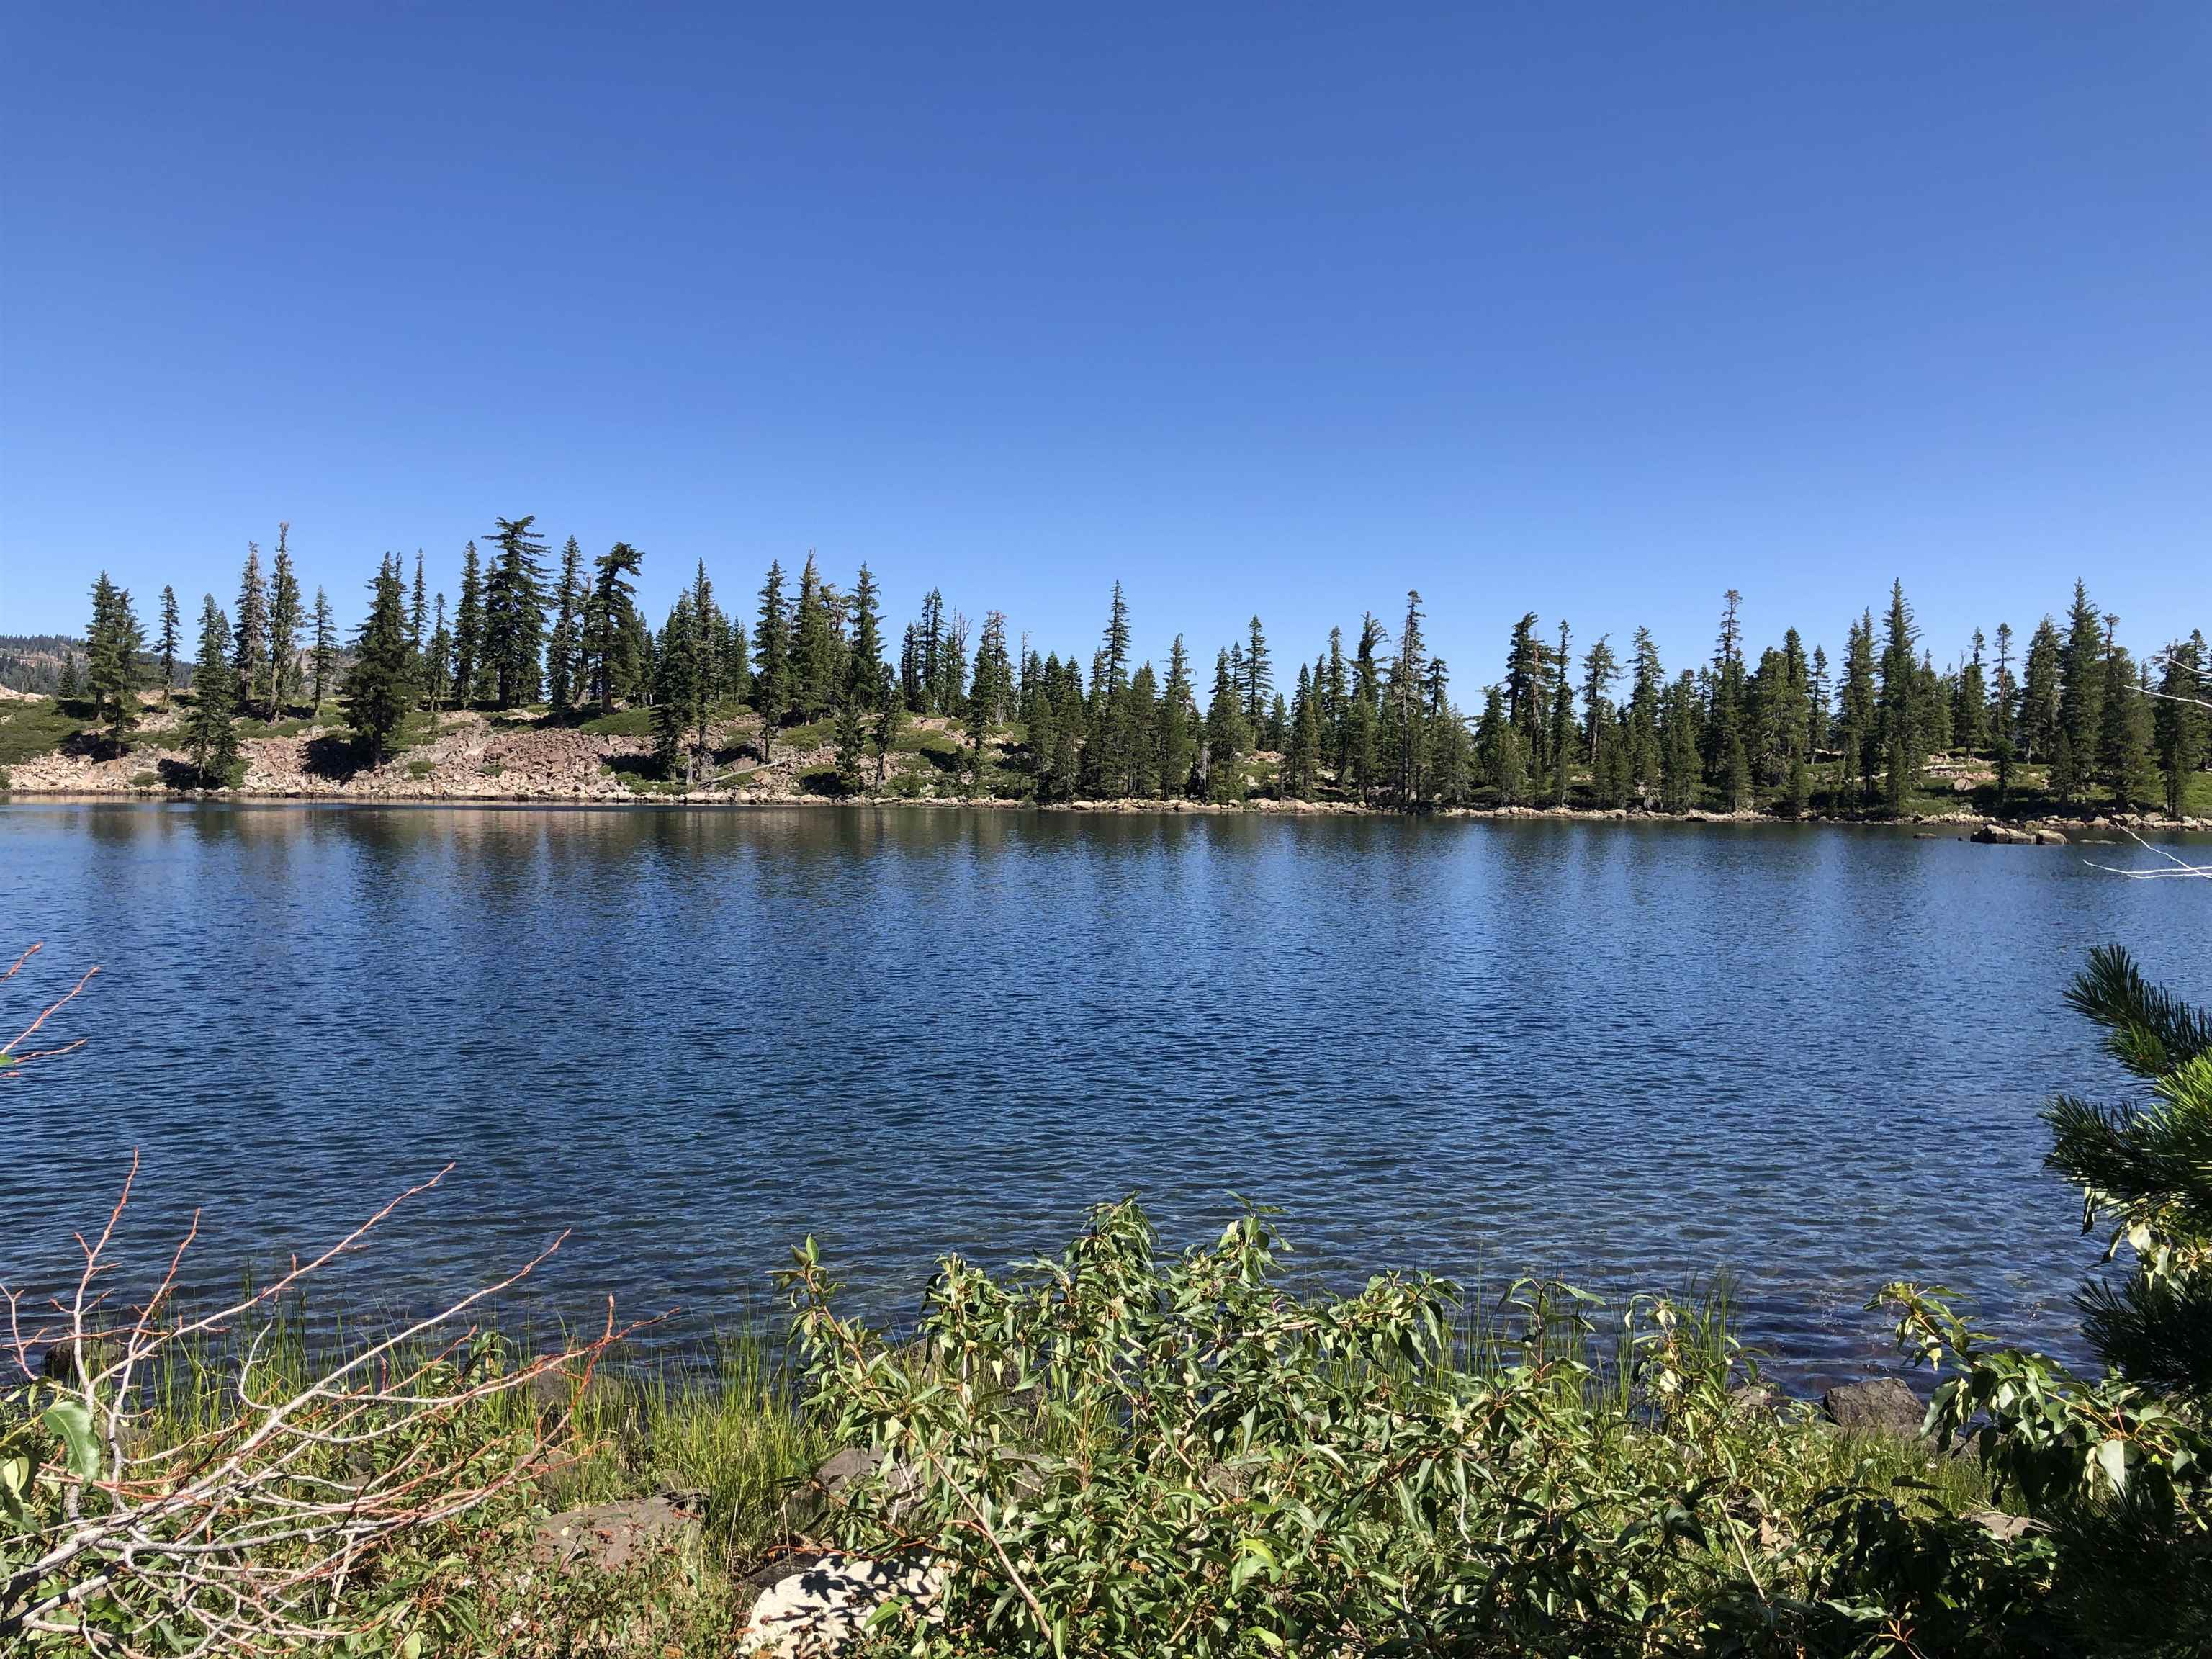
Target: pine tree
[
  {"x": 607, "y": 623},
  {"x": 852, "y": 746},
  {"x": 1859, "y": 713},
  {"x": 1115, "y": 643},
  {"x": 1259, "y": 677},
  {"x": 2124, "y": 732},
  {"x": 250, "y": 642},
  {"x": 469, "y": 631},
  {"x": 1140, "y": 718},
  {"x": 772, "y": 687},
  {"x": 1970, "y": 705},
  {"x": 864, "y": 663},
  {"x": 515, "y": 612},
  {"x": 1645, "y": 697},
  {"x": 436, "y": 665},
  {"x": 564, "y": 648},
  {"x": 1561, "y": 745},
  {"x": 678, "y": 694},
  {"x": 284, "y": 618},
  {"x": 171, "y": 639},
  {"x": 2081, "y": 696},
  {"x": 1043, "y": 746},
  {"x": 113, "y": 644},
  {"x": 417, "y": 613},
  {"x": 1226, "y": 742},
  {"x": 380, "y": 690},
  {"x": 883, "y": 735},
  {"x": 2040, "y": 697},
  {"x": 810, "y": 649},
  {"x": 322, "y": 659},
  {"x": 2179, "y": 720},
  {"x": 1680, "y": 764},
  {"x": 1172, "y": 719},
  {"x": 1902, "y": 734},
  {"x": 209, "y": 731}
]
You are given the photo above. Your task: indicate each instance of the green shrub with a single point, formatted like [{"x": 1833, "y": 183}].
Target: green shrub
[{"x": 1120, "y": 1454}]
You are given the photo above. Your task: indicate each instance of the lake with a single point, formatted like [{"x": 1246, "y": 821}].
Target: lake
[{"x": 1631, "y": 1052}]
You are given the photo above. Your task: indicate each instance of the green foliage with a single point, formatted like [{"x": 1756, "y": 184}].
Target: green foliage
[
  {"x": 2116, "y": 1466},
  {"x": 1121, "y": 1455}
]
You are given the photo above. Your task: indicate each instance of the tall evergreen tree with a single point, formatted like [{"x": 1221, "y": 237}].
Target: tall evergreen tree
[
  {"x": 1172, "y": 721},
  {"x": 563, "y": 647},
  {"x": 772, "y": 670},
  {"x": 469, "y": 630},
  {"x": 2081, "y": 696},
  {"x": 678, "y": 697},
  {"x": 2124, "y": 750},
  {"x": 113, "y": 644},
  {"x": 380, "y": 690},
  {"x": 437, "y": 662},
  {"x": 250, "y": 641},
  {"x": 2041, "y": 703},
  {"x": 607, "y": 621},
  {"x": 811, "y": 651},
  {"x": 2181, "y": 719},
  {"x": 284, "y": 619},
  {"x": 1259, "y": 677},
  {"x": 515, "y": 612},
  {"x": 1561, "y": 744},
  {"x": 418, "y": 612},
  {"x": 170, "y": 639},
  {"x": 209, "y": 732},
  {"x": 323, "y": 658},
  {"x": 1225, "y": 741},
  {"x": 864, "y": 663},
  {"x": 1903, "y": 740}
]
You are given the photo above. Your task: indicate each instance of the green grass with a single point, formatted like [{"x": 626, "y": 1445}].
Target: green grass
[
  {"x": 623, "y": 723},
  {"x": 28, "y": 730},
  {"x": 420, "y": 769}
]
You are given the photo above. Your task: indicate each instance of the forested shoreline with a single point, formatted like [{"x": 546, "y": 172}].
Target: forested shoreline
[{"x": 2066, "y": 720}]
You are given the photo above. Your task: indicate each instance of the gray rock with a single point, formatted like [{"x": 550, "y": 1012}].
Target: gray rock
[
  {"x": 1882, "y": 1404},
  {"x": 2003, "y": 834},
  {"x": 612, "y": 1536},
  {"x": 826, "y": 1606},
  {"x": 2002, "y": 1527}
]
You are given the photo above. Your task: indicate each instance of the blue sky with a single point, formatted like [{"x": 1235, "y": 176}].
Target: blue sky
[{"x": 1597, "y": 311}]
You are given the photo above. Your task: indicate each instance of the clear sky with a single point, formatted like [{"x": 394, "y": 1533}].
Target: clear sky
[{"x": 1589, "y": 310}]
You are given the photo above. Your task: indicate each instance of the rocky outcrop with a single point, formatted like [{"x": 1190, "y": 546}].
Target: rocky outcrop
[
  {"x": 825, "y": 1606},
  {"x": 612, "y": 1536},
  {"x": 1882, "y": 1404}
]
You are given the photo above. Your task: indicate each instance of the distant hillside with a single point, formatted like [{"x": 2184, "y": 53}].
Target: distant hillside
[{"x": 34, "y": 663}]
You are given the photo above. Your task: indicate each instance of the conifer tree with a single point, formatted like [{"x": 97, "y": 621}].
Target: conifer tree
[
  {"x": 810, "y": 651},
  {"x": 468, "y": 631},
  {"x": 418, "y": 613},
  {"x": 772, "y": 688},
  {"x": 1970, "y": 705},
  {"x": 2039, "y": 698},
  {"x": 2080, "y": 694},
  {"x": 1116, "y": 642},
  {"x": 607, "y": 621},
  {"x": 1600, "y": 671},
  {"x": 1562, "y": 745},
  {"x": 1172, "y": 719},
  {"x": 1645, "y": 696},
  {"x": 1140, "y": 718},
  {"x": 852, "y": 746},
  {"x": 1860, "y": 712},
  {"x": 2179, "y": 720},
  {"x": 1259, "y": 677},
  {"x": 678, "y": 695},
  {"x": 322, "y": 659},
  {"x": 285, "y": 618},
  {"x": 1043, "y": 746},
  {"x": 69, "y": 686},
  {"x": 2125, "y": 733},
  {"x": 515, "y": 612},
  {"x": 379, "y": 690},
  {"x": 437, "y": 664},
  {"x": 1680, "y": 764},
  {"x": 563, "y": 647},
  {"x": 883, "y": 734},
  {"x": 864, "y": 670},
  {"x": 170, "y": 639},
  {"x": 209, "y": 732},
  {"x": 1903, "y": 738},
  {"x": 250, "y": 642},
  {"x": 114, "y": 643},
  {"x": 1225, "y": 741}
]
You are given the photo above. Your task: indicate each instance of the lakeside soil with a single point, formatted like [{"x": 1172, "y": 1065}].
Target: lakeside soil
[{"x": 476, "y": 757}]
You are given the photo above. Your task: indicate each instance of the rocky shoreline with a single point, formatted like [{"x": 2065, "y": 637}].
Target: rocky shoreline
[{"x": 472, "y": 758}]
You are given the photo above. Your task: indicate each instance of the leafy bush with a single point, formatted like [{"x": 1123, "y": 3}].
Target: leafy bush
[
  {"x": 2114, "y": 1468},
  {"x": 1118, "y": 1454}
]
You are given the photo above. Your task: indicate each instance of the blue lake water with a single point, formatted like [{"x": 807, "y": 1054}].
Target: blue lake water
[{"x": 1629, "y": 1053}]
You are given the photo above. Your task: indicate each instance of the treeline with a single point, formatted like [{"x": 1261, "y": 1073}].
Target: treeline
[{"x": 1372, "y": 717}]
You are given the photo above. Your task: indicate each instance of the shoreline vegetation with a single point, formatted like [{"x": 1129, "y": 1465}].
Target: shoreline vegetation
[
  {"x": 539, "y": 685},
  {"x": 1126, "y": 1451}
]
